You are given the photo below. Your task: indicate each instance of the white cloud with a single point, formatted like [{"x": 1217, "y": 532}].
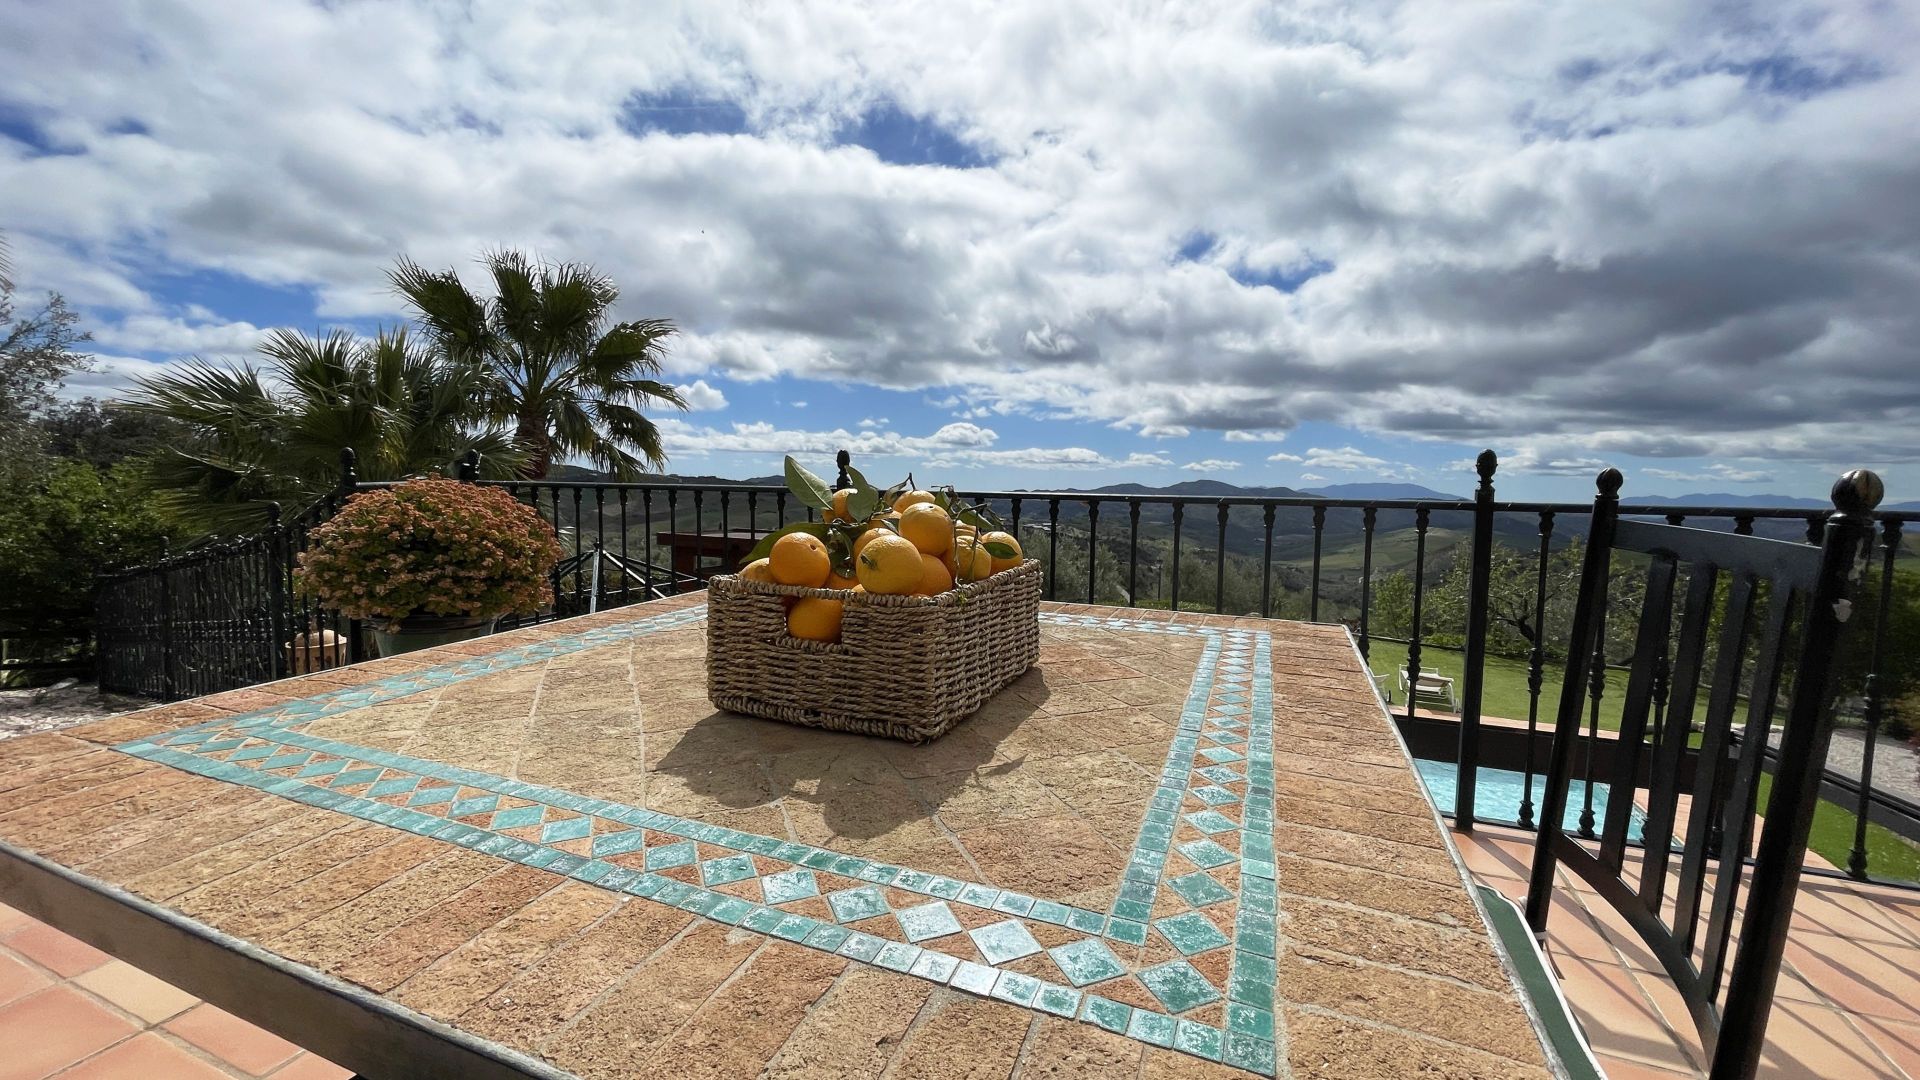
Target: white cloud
[
  {"x": 1213, "y": 465},
  {"x": 702, "y": 398},
  {"x": 1345, "y": 458},
  {"x": 874, "y": 422},
  {"x": 1283, "y": 456},
  {"x": 1239, "y": 435},
  {"x": 1311, "y": 477},
  {"x": 958, "y": 445},
  {"x": 1518, "y": 223},
  {"x": 1714, "y": 474}
]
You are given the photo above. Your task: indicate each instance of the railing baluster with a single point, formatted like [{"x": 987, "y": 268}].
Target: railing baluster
[
  {"x": 1053, "y": 545},
  {"x": 1220, "y": 563},
  {"x": 1743, "y": 524},
  {"x": 1266, "y": 565},
  {"x": 1133, "y": 552},
  {"x": 1816, "y": 527},
  {"x": 1890, "y": 549},
  {"x": 1536, "y": 664},
  {"x": 1420, "y": 516},
  {"x": 779, "y": 510},
  {"x": 1319, "y": 533},
  {"x": 626, "y": 579},
  {"x": 753, "y": 515},
  {"x": 673, "y": 526},
  {"x": 1093, "y": 533},
  {"x": 1367, "y": 519},
  {"x": 1014, "y": 520},
  {"x": 1179, "y": 512},
  {"x": 1474, "y": 662},
  {"x": 646, "y": 540},
  {"x": 1596, "y": 686}
]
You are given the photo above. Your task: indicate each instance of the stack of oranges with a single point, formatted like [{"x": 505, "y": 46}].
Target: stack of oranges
[{"x": 913, "y": 549}]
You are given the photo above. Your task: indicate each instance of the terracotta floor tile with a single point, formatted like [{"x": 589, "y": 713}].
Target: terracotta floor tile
[
  {"x": 65, "y": 956},
  {"x": 232, "y": 1040},
  {"x": 136, "y": 991},
  {"x": 144, "y": 1057},
  {"x": 1616, "y": 1017},
  {"x": 1618, "y": 1068},
  {"x": 1804, "y": 1040},
  {"x": 53, "y": 1029},
  {"x": 1880, "y": 980},
  {"x": 1900, "y": 1042},
  {"x": 309, "y": 1067},
  {"x": 11, "y": 920},
  {"x": 17, "y": 980}
]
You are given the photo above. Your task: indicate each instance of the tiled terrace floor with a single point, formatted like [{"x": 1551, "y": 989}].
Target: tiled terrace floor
[
  {"x": 1848, "y": 1003},
  {"x": 71, "y": 1011},
  {"x": 1177, "y": 841}
]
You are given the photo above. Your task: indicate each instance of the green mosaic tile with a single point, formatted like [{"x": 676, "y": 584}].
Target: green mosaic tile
[
  {"x": 731, "y": 910},
  {"x": 1249, "y": 1053},
  {"x": 1017, "y": 988},
  {"x": 395, "y": 786},
  {"x": 1248, "y": 1020},
  {"x": 618, "y": 843},
  {"x": 928, "y": 921},
  {"x": 667, "y": 856},
  {"x": 1049, "y": 912},
  {"x": 516, "y": 817},
  {"x": 1091, "y": 922},
  {"x": 1212, "y": 821},
  {"x": 789, "y": 885},
  {"x": 1190, "y": 932},
  {"x": 1200, "y": 889},
  {"x": 286, "y": 761},
  {"x": 1057, "y": 1000},
  {"x": 1004, "y": 941},
  {"x": 978, "y": 895},
  {"x": 829, "y": 937},
  {"x": 726, "y": 871},
  {"x": 862, "y": 946},
  {"x": 938, "y": 967},
  {"x": 1133, "y": 933},
  {"x": 1106, "y": 1013},
  {"x": 479, "y": 804},
  {"x": 897, "y": 957},
  {"x": 1198, "y": 1040},
  {"x": 974, "y": 978},
  {"x": 328, "y": 768},
  {"x": 1219, "y": 755},
  {"x": 1151, "y": 1027},
  {"x": 557, "y": 832},
  {"x": 1013, "y": 903},
  {"x": 852, "y": 905},
  {"x": 1220, "y": 774},
  {"x": 1215, "y": 796},
  {"x": 1178, "y": 986},
  {"x": 1086, "y": 961},
  {"x": 763, "y": 919},
  {"x": 1206, "y": 854},
  {"x": 367, "y": 776},
  {"x": 795, "y": 927}
]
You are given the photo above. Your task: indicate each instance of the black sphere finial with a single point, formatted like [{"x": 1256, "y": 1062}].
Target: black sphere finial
[
  {"x": 1609, "y": 482},
  {"x": 843, "y": 460},
  {"x": 1858, "y": 492},
  {"x": 1485, "y": 464}
]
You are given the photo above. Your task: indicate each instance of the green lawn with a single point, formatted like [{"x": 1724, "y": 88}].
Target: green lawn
[{"x": 1889, "y": 855}]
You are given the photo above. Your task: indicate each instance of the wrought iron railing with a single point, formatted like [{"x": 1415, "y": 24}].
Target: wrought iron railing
[{"x": 222, "y": 617}]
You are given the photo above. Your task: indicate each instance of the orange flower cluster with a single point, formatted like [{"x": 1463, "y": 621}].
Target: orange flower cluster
[{"x": 431, "y": 546}]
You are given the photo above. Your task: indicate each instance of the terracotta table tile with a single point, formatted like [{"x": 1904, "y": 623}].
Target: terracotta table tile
[{"x": 53, "y": 1029}]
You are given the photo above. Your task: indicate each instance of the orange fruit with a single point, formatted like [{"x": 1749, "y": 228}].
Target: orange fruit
[
  {"x": 757, "y": 570},
  {"x": 799, "y": 559},
  {"x": 815, "y": 618},
  {"x": 928, "y": 526},
  {"x": 836, "y": 581},
  {"x": 911, "y": 498},
  {"x": 889, "y": 565},
  {"x": 934, "y": 576},
  {"x": 839, "y": 511},
  {"x": 999, "y": 563},
  {"x": 864, "y": 538},
  {"x": 968, "y": 560}
]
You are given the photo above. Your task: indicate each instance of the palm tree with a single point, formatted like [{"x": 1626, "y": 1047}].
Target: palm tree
[
  {"x": 568, "y": 380},
  {"x": 276, "y": 434}
]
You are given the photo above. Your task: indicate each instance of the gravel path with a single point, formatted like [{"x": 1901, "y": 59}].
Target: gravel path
[
  {"x": 27, "y": 712},
  {"x": 1896, "y": 766}
]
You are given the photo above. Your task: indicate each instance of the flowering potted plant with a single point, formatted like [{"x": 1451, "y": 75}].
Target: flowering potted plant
[{"x": 430, "y": 561}]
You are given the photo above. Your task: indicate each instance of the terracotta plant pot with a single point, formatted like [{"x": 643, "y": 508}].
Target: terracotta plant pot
[{"x": 426, "y": 631}]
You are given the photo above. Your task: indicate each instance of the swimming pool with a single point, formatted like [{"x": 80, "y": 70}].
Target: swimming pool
[{"x": 1496, "y": 797}]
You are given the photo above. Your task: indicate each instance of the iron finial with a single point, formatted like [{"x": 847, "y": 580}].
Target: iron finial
[
  {"x": 1858, "y": 492},
  {"x": 1485, "y": 464},
  {"x": 1609, "y": 481}
]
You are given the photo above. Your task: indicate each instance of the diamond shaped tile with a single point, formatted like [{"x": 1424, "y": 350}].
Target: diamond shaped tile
[
  {"x": 1206, "y": 854},
  {"x": 1212, "y": 821},
  {"x": 1178, "y": 986},
  {"x": 396, "y": 786},
  {"x": 789, "y": 885},
  {"x": 482, "y": 804},
  {"x": 1086, "y": 961},
  {"x": 371, "y": 773},
  {"x": 1215, "y": 796},
  {"x": 328, "y": 768},
  {"x": 727, "y": 870},
  {"x": 618, "y": 843},
  {"x": 852, "y": 905},
  {"x": 433, "y": 796},
  {"x": 928, "y": 921},
  {"x": 667, "y": 856},
  {"x": 1200, "y": 889},
  {"x": 1220, "y": 774},
  {"x": 1191, "y": 932},
  {"x": 1219, "y": 755},
  {"x": 572, "y": 828},
  {"x": 518, "y": 816},
  {"x": 1004, "y": 941}
]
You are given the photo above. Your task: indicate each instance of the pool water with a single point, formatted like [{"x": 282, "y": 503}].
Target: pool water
[{"x": 1496, "y": 798}]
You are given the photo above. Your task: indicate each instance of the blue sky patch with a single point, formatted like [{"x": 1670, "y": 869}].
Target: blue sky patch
[
  {"x": 679, "y": 113},
  {"x": 899, "y": 137}
]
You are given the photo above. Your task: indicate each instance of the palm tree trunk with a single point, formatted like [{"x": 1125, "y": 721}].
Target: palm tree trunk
[{"x": 531, "y": 433}]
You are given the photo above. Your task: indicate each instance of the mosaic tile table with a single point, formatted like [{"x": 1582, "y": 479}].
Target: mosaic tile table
[{"x": 1180, "y": 846}]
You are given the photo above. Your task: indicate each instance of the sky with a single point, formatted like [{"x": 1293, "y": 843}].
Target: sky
[{"x": 1048, "y": 245}]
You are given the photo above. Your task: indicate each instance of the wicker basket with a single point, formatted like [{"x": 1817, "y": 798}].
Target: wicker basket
[{"x": 906, "y": 667}]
